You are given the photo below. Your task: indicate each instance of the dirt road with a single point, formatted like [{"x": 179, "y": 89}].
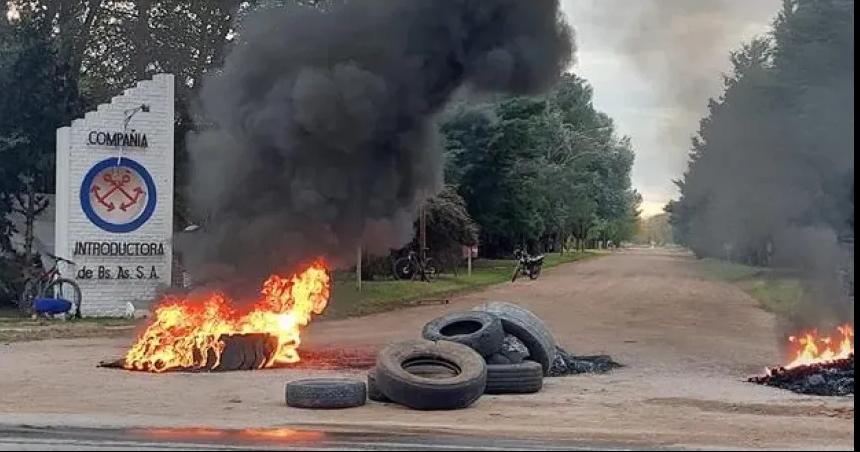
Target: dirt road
[{"x": 687, "y": 342}]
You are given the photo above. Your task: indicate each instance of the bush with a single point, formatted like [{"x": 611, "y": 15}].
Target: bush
[
  {"x": 11, "y": 279},
  {"x": 449, "y": 228},
  {"x": 376, "y": 267}
]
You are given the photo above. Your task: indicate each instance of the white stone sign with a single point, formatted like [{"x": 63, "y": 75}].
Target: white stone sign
[{"x": 114, "y": 205}]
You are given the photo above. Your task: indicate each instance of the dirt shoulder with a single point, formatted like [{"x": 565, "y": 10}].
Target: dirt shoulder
[{"x": 687, "y": 341}]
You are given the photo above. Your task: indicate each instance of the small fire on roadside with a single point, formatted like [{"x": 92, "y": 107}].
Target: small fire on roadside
[
  {"x": 811, "y": 348},
  {"x": 189, "y": 333}
]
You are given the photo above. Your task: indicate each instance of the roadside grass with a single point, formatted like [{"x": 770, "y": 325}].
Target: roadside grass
[
  {"x": 777, "y": 291},
  {"x": 17, "y": 328},
  {"x": 347, "y": 301},
  {"x": 381, "y": 296}
]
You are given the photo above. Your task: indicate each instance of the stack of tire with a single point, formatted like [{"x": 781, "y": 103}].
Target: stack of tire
[{"x": 498, "y": 348}]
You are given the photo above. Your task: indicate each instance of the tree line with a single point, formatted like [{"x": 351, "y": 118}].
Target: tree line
[
  {"x": 540, "y": 171},
  {"x": 770, "y": 179}
]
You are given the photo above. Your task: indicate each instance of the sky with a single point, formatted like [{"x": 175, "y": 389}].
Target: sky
[{"x": 653, "y": 65}]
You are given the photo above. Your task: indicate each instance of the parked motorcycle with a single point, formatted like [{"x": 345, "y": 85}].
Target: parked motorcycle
[{"x": 527, "y": 265}]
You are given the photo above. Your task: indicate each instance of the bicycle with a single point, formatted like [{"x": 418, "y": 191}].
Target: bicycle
[
  {"x": 49, "y": 283},
  {"x": 412, "y": 266}
]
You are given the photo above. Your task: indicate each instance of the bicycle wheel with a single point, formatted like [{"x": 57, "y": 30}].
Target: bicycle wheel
[
  {"x": 403, "y": 269},
  {"x": 535, "y": 273},
  {"x": 516, "y": 273},
  {"x": 28, "y": 295},
  {"x": 68, "y": 290}
]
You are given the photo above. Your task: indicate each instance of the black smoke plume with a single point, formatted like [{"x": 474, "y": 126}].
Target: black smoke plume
[{"x": 323, "y": 135}]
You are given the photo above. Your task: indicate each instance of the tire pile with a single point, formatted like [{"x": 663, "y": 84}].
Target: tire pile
[{"x": 497, "y": 348}]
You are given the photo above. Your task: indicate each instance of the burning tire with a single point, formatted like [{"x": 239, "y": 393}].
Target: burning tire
[
  {"x": 326, "y": 393},
  {"x": 526, "y": 327},
  {"x": 373, "y": 392},
  {"x": 459, "y": 381},
  {"x": 523, "y": 378},
  {"x": 481, "y": 331}
]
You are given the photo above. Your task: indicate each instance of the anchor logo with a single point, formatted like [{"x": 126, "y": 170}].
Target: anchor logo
[
  {"x": 118, "y": 196},
  {"x": 117, "y": 186}
]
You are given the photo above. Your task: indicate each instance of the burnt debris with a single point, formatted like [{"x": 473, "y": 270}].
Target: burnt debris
[
  {"x": 568, "y": 364},
  {"x": 835, "y": 378}
]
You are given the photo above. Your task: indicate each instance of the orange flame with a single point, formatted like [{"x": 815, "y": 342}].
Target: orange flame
[
  {"x": 811, "y": 348},
  {"x": 186, "y": 333}
]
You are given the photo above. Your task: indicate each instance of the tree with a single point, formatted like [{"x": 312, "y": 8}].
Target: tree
[
  {"x": 771, "y": 172},
  {"x": 449, "y": 228},
  {"x": 600, "y": 202},
  {"x": 30, "y": 110},
  {"x": 498, "y": 178},
  {"x": 536, "y": 170},
  {"x": 105, "y": 46}
]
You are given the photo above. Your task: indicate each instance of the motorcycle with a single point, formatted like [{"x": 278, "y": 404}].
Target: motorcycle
[{"x": 527, "y": 265}]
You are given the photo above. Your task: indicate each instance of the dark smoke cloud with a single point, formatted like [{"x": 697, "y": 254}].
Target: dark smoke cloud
[
  {"x": 323, "y": 133},
  {"x": 776, "y": 185}
]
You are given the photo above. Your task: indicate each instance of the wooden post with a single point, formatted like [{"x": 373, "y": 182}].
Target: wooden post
[
  {"x": 469, "y": 261},
  {"x": 358, "y": 270},
  {"x": 423, "y": 232}
]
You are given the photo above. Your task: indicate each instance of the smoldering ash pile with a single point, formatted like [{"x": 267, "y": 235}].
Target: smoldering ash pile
[{"x": 318, "y": 132}]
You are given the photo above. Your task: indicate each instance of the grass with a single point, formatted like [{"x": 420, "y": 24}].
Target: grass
[
  {"x": 16, "y": 328},
  {"x": 380, "y": 296},
  {"x": 347, "y": 301},
  {"x": 780, "y": 292}
]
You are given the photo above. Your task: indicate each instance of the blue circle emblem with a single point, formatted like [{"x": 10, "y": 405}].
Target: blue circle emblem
[{"x": 118, "y": 195}]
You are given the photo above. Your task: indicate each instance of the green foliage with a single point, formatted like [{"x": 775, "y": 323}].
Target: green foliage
[
  {"x": 449, "y": 228},
  {"x": 98, "y": 48},
  {"x": 524, "y": 170},
  {"x": 380, "y": 296},
  {"x": 778, "y": 292},
  {"x": 536, "y": 170},
  {"x": 38, "y": 96}
]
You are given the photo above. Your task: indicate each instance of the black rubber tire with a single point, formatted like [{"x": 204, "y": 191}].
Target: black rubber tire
[
  {"x": 326, "y": 393},
  {"x": 403, "y": 269},
  {"x": 373, "y": 392},
  {"x": 527, "y": 327},
  {"x": 481, "y": 331},
  {"x": 523, "y": 378},
  {"x": 431, "y": 393},
  {"x": 497, "y": 358}
]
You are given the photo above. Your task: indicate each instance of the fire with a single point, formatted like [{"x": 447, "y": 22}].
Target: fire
[
  {"x": 812, "y": 348},
  {"x": 186, "y": 333}
]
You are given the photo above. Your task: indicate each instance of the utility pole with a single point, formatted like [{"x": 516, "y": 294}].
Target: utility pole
[
  {"x": 422, "y": 232},
  {"x": 358, "y": 269},
  {"x": 469, "y": 261}
]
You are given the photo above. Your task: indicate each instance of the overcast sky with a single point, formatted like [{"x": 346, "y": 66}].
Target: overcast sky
[{"x": 653, "y": 65}]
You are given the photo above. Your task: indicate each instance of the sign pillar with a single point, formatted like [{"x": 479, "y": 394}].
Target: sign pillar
[{"x": 114, "y": 212}]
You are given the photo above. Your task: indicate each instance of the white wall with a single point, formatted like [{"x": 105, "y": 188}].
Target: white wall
[{"x": 110, "y": 296}]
